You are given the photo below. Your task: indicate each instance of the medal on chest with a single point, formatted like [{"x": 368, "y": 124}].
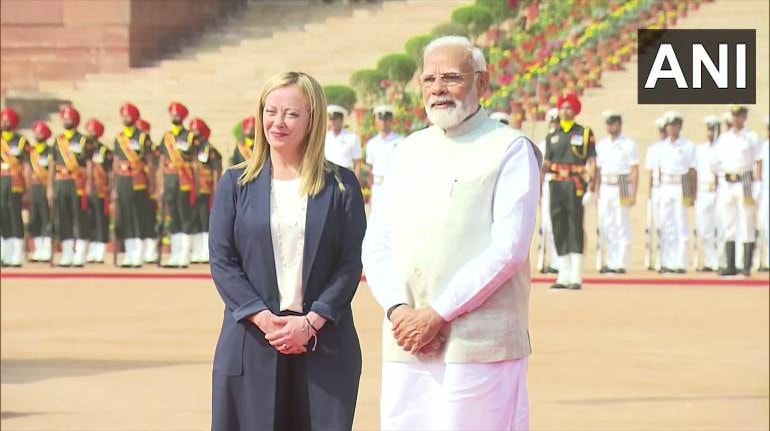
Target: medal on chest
[{"x": 576, "y": 140}]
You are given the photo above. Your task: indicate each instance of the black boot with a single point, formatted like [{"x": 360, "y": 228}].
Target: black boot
[
  {"x": 730, "y": 255},
  {"x": 748, "y": 254}
]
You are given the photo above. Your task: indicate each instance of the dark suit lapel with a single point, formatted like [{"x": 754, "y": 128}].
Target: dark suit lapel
[
  {"x": 260, "y": 195},
  {"x": 317, "y": 210}
]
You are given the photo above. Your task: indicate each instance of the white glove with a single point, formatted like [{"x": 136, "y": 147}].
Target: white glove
[{"x": 588, "y": 198}]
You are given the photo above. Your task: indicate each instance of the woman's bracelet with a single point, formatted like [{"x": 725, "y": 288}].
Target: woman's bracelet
[{"x": 315, "y": 330}]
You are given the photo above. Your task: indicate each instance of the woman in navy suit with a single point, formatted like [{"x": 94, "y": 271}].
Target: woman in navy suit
[{"x": 285, "y": 244}]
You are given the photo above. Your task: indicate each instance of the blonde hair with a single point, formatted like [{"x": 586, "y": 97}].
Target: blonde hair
[{"x": 314, "y": 166}]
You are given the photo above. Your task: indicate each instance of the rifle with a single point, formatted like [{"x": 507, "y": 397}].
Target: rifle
[
  {"x": 599, "y": 250},
  {"x": 695, "y": 251},
  {"x": 52, "y": 221},
  {"x": 541, "y": 252},
  {"x": 160, "y": 228},
  {"x": 114, "y": 230}
]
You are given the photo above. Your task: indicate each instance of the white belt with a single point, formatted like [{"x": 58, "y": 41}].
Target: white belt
[
  {"x": 708, "y": 186},
  {"x": 670, "y": 179},
  {"x": 610, "y": 179}
]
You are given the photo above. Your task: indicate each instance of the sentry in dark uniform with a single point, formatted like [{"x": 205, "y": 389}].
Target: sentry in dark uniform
[
  {"x": 209, "y": 166},
  {"x": 245, "y": 147},
  {"x": 72, "y": 157},
  {"x": 569, "y": 156},
  {"x": 131, "y": 180},
  {"x": 177, "y": 158},
  {"x": 148, "y": 212},
  {"x": 12, "y": 185},
  {"x": 39, "y": 225},
  {"x": 99, "y": 208}
]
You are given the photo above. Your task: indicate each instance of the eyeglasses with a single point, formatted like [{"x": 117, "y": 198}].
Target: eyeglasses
[{"x": 448, "y": 79}]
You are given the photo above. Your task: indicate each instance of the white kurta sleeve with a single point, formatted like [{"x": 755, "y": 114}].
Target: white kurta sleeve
[
  {"x": 377, "y": 257},
  {"x": 514, "y": 209}
]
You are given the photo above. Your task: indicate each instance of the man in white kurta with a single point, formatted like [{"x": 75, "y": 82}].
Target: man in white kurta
[
  {"x": 447, "y": 257},
  {"x": 379, "y": 149}
]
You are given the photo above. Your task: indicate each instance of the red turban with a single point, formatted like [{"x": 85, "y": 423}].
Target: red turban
[
  {"x": 41, "y": 129},
  {"x": 131, "y": 111},
  {"x": 11, "y": 116},
  {"x": 248, "y": 123},
  {"x": 143, "y": 125},
  {"x": 95, "y": 127},
  {"x": 178, "y": 109},
  {"x": 200, "y": 126},
  {"x": 572, "y": 100},
  {"x": 68, "y": 112}
]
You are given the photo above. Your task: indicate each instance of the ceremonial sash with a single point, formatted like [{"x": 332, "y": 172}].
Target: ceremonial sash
[
  {"x": 101, "y": 182},
  {"x": 184, "y": 171},
  {"x": 135, "y": 162},
  {"x": 245, "y": 150},
  {"x": 71, "y": 163},
  {"x": 12, "y": 165},
  {"x": 41, "y": 174}
]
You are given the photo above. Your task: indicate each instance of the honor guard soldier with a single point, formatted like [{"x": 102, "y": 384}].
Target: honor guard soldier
[
  {"x": 570, "y": 156},
  {"x": 501, "y": 116},
  {"x": 652, "y": 225},
  {"x": 674, "y": 161},
  {"x": 245, "y": 147},
  {"x": 617, "y": 165},
  {"x": 546, "y": 246},
  {"x": 764, "y": 201},
  {"x": 131, "y": 156},
  {"x": 12, "y": 185},
  {"x": 39, "y": 225},
  {"x": 101, "y": 177},
  {"x": 706, "y": 204},
  {"x": 379, "y": 149},
  {"x": 69, "y": 187},
  {"x": 148, "y": 213},
  {"x": 738, "y": 162},
  {"x": 178, "y": 154},
  {"x": 209, "y": 166},
  {"x": 343, "y": 147}
]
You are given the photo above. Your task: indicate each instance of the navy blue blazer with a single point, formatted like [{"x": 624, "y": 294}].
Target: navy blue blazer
[{"x": 243, "y": 269}]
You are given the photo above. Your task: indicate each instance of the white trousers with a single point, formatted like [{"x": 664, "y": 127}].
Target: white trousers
[
  {"x": 447, "y": 397},
  {"x": 674, "y": 227},
  {"x": 547, "y": 226},
  {"x": 764, "y": 226},
  {"x": 614, "y": 226},
  {"x": 706, "y": 227},
  {"x": 374, "y": 199},
  {"x": 736, "y": 218}
]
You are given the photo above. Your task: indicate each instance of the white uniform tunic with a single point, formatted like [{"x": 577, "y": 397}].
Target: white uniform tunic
[
  {"x": 615, "y": 158},
  {"x": 735, "y": 154},
  {"x": 379, "y": 151},
  {"x": 288, "y": 210},
  {"x": 706, "y": 205},
  {"x": 764, "y": 202},
  {"x": 343, "y": 149},
  {"x": 672, "y": 160}
]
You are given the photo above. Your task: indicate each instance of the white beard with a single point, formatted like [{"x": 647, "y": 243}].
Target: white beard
[{"x": 452, "y": 117}]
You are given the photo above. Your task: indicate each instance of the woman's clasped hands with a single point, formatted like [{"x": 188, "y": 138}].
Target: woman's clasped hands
[{"x": 289, "y": 335}]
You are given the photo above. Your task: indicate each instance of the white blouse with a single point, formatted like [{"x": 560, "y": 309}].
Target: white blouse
[{"x": 287, "y": 225}]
